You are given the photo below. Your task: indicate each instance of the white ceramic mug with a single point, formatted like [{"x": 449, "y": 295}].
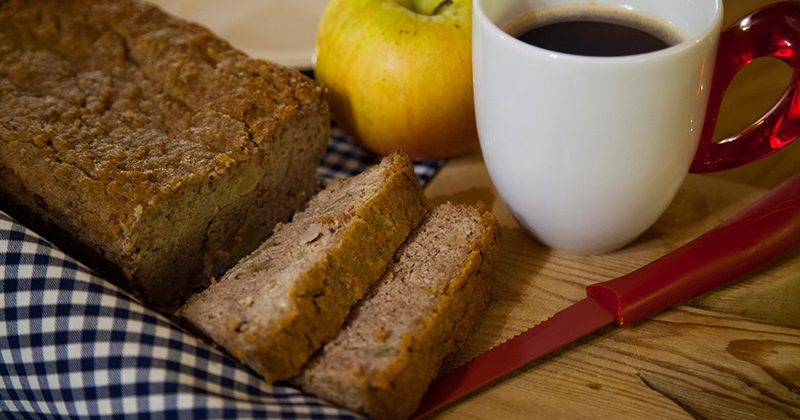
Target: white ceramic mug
[{"x": 588, "y": 152}]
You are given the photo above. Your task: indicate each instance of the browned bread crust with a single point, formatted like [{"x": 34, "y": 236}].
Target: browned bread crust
[
  {"x": 281, "y": 303},
  {"x": 149, "y": 139},
  {"x": 396, "y": 338}
]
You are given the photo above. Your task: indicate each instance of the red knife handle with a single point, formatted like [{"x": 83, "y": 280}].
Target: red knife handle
[{"x": 758, "y": 235}]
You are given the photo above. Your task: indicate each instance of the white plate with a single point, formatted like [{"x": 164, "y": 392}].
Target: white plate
[{"x": 282, "y": 31}]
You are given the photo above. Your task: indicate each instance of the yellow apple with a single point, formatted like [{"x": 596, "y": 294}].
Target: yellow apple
[{"x": 399, "y": 73}]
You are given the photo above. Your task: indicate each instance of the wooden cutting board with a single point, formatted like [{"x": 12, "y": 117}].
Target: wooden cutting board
[{"x": 733, "y": 353}]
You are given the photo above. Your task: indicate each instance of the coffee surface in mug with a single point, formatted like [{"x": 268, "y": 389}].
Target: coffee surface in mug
[{"x": 592, "y": 30}]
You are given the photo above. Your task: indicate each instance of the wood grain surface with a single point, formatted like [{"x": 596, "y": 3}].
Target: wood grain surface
[{"x": 733, "y": 353}]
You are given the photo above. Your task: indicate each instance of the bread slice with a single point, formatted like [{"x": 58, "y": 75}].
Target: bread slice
[
  {"x": 395, "y": 339},
  {"x": 277, "y": 306},
  {"x": 150, "y": 140}
]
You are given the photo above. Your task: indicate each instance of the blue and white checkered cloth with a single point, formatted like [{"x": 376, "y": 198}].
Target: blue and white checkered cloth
[
  {"x": 344, "y": 158},
  {"x": 73, "y": 345}
]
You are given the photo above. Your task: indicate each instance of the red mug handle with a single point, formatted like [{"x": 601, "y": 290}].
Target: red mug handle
[{"x": 772, "y": 31}]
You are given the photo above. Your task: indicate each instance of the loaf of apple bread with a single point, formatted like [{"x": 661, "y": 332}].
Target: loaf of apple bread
[
  {"x": 150, "y": 140},
  {"x": 395, "y": 339}
]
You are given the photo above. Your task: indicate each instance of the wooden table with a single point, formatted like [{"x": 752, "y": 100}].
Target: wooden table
[{"x": 733, "y": 353}]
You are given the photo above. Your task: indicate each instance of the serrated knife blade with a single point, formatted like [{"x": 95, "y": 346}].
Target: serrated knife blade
[
  {"x": 566, "y": 326},
  {"x": 758, "y": 235}
]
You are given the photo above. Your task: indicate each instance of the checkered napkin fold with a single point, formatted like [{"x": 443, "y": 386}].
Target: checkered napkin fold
[{"x": 74, "y": 345}]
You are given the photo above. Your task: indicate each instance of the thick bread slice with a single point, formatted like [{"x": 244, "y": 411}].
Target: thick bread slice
[
  {"x": 280, "y": 304},
  {"x": 396, "y": 338}
]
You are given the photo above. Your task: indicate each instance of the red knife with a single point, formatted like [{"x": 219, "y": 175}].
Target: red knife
[{"x": 760, "y": 234}]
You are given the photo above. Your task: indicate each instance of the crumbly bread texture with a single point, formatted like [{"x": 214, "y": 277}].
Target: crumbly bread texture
[
  {"x": 149, "y": 139},
  {"x": 396, "y": 338},
  {"x": 282, "y": 302}
]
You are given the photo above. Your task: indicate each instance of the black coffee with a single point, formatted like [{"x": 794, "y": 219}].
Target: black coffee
[{"x": 602, "y": 32}]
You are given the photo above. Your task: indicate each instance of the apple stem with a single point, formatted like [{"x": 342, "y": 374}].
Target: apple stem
[{"x": 440, "y": 6}]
